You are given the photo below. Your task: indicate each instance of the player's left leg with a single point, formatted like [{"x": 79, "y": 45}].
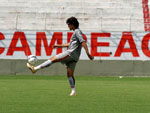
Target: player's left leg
[{"x": 70, "y": 75}]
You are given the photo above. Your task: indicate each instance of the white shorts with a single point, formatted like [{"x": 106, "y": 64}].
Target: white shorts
[{"x": 66, "y": 59}]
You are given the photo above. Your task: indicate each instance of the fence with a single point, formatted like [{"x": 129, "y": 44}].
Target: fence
[{"x": 97, "y": 15}]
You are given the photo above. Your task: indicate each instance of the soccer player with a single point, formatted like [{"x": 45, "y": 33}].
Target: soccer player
[{"x": 71, "y": 56}]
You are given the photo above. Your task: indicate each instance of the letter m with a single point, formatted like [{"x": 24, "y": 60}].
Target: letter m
[{"x": 41, "y": 36}]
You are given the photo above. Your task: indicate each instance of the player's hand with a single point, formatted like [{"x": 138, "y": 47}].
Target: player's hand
[
  {"x": 55, "y": 46},
  {"x": 90, "y": 57}
]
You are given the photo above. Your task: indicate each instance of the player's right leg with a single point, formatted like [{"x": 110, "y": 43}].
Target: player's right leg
[
  {"x": 49, "y": 62},
  {"x": 43, "y": 65},
  {"x": 31, "y": 67}
]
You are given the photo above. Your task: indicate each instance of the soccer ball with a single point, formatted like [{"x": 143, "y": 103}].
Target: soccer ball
[{"x": 32, "y": 59}]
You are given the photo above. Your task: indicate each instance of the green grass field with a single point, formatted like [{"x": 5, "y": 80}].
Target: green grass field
[{"x": 50, "y": 94}]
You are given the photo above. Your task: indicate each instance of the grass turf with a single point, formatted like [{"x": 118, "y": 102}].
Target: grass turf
[{"x": 50, "y": 94}]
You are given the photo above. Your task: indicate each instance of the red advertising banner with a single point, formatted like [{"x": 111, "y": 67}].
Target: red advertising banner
[{"x": 105, "y": 46}]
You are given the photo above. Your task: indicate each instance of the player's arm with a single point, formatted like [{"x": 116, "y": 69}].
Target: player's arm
[
  {"x": 84, "y": 45},
  {"x": 61, "y": 45}
]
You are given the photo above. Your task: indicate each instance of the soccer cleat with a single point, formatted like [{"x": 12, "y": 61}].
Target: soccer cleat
[
  {"x": 73, "y": 93},
  {"x": 31, "y": 68}
]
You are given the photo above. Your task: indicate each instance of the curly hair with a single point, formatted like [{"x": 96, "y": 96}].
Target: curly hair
[{"x": 73, "y": 21}]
